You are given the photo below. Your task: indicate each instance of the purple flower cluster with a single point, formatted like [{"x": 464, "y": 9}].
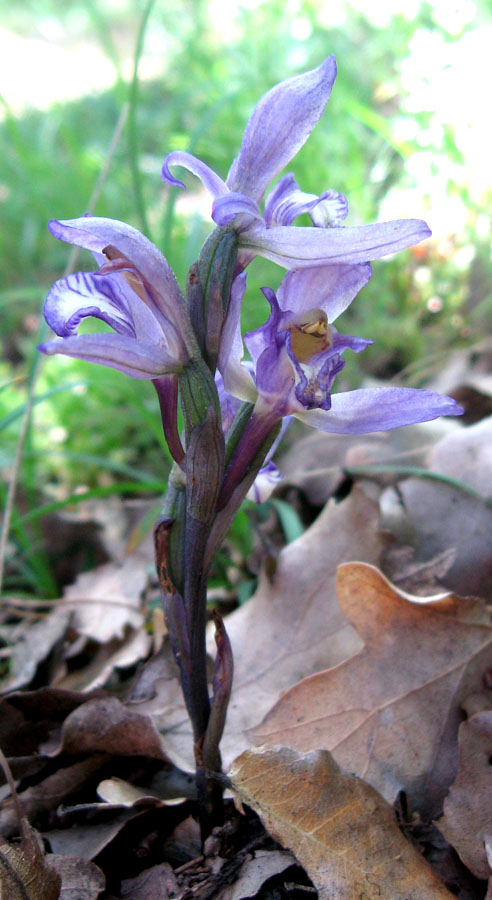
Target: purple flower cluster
[
  {"x": 134, "y": 291},
  {"x": 295, "y": 355},
  {"x": 279, "y": 126}
]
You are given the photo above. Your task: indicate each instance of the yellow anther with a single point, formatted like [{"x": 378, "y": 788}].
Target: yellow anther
[{"x": 318, "y": 328}]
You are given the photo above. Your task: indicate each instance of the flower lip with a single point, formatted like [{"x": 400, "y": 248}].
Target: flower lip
[{"x": 312, "y": 383}]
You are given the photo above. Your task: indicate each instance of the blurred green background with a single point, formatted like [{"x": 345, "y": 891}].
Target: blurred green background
[{"x": 405, "y": 133}]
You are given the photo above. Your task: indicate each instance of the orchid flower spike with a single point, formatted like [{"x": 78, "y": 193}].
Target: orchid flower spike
[
  {"x": 277, "y": 129},
  {"x": 295, "y": 358}
]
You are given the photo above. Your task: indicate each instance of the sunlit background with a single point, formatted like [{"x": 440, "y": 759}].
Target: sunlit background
[{"x": 406, "y": 133}]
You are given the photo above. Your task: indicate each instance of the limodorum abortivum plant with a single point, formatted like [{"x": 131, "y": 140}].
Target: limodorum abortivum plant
[{"x": 190, "y": 345}]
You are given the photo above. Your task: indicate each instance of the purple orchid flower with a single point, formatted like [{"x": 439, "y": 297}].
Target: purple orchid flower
[
  {"x": 296, "y": 356},
  {"x": 135, "y": 292},
  {"x": 277, "y": 129}
]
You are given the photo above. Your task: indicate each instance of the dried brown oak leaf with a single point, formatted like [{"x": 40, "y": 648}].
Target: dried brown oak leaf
[
  {"x": 340, "y": 829},
  {"x": 106, "y": 725},
  {"x": 50, "y": 792},
  {"x": 467, "y": 819},
  {"x": 391, "y": 713},
  {"x": 436, "y": 516},
  {"x": 156, "y": 883},
  {"x": 106, "y": 601},
  {"x": 293, "y": 626},
  {"x": 316, "y": 461},
  {"x": 24, "y": 874},
  {"x": 41, "y": 643},
  {"x": 255, "y": 871},
  {"x": 81, "y": 879}
]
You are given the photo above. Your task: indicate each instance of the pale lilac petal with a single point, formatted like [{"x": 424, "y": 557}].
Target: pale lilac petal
[
  {"x": 265, "y": 483},
  {"x": 293, "y": 247},
  {"x": 239, "y": 382},
  {"x": 279, "y": 126},
  {"x": 331, "y": 288},
  {"x": 117, "y": 351},
  {"x": 231, "y": 344},
  {"x": 276, "y": 197},
  {"x": 81, "y": 295},
  {"x": 331, "y": 209},
  {"x": 286, "y": 202},
  {"x": 343, "y": 342},
  {"x": 107, "y": 297},
  {"x": 96, "y": 234},
  {"x": 148, "y": 330},
  {"x": 237, "y": 379},
  {"x": 231, "y": 205},
  {"x": 265, "y": 336},
  {"x": 211, "y": 181},
  {"x": 379, "y": 409}
]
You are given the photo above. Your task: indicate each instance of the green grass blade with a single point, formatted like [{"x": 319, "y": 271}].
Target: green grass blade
[{"x": 289, "y": 520}]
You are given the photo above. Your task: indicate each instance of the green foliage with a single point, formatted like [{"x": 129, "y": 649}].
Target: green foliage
[{"x": 210, "y": 79}]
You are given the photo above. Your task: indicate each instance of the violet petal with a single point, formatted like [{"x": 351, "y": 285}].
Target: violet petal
[
  {"x": 279, "y": 126},
  {"x": 265, "y": 336},
  {"x": 95, "y": 233},
  {"x": 80, "y": 295},
  {"x": 293, "y": 247},
  {"x": 117, "y": 351},
  {"x": 237, "y": 378},
  {"x": 210, "y": 180},
  {"x": 232, "y": 205},
  {"x": 331, "y": 209},
  {"x": 343, "y": 342},
  {"x": 265, "y": 483},
  {"x": 275, "y": 198},
  {"x": 379, "y": 409},
  {"x": 286, "y": 202},
  {"x": 331, "y": 288}
]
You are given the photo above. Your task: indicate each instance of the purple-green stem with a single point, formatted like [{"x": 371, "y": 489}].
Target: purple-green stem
[{"x": 182, "y": 535}]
